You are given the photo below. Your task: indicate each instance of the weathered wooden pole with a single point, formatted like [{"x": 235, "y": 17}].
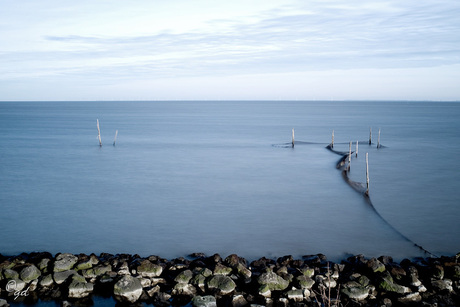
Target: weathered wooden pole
[
  {"x": 378, "y": 140},
  {"x": 370, "y": 135},
  {"x": 99, "y": 133},
  {"x": 356, "y": 148},
  {"x": 367, "y": 173},
  {"x": 115, "y": 139},
  {"x": 332, "y": 144},
  {"x": 293, "y": 137},
  {"x": 349, "y": 157}
]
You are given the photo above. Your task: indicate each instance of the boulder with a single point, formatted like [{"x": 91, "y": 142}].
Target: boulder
[
  {"x": 410, "y": 298},
  {"x": 295, "y": 295},
  {"x": 239, "y": 301},
  {"x": 127, "y": 289},
  {"x": 64, "y": 262},
  {"x": 30, "y": 273},
  {"x": 149, "y": 269},
  {"x": 387, "y": 284},
  {"x": 221, "y": 284},
  {"x": 375, "y": 265},
  {"x": 273, "y": 281},
  {"x": 356, "y": 292},
  {"x": 184, "y": 276},
  {"x": 184, "y": 289},
  {"x": 204, "y": 301},
  {"x": 10, "y": 274},
  {"x": 46, "y": 281},
  {"x": 305, "y": 282},
  {"x": 60, "y": 277},
  {"x": 79, "y": 288}
]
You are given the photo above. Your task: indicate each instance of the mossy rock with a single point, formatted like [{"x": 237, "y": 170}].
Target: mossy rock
[
  {"x": 30, "y": 273},
  {"x": 184, "y": 276},
  {"x": 358, "y": 293},
  {"x": 274, "y": 281},
  {"x": 222, "y": 284},
  {"x": 10, "y": 274},
  {"x": 149, "y": 269},
  {"x": 305, "y": 282}
]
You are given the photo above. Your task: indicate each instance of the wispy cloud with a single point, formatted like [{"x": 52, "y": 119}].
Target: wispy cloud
[{"x": 299, "y": 37}]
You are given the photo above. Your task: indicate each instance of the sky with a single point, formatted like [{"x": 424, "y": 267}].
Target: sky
[{"x": 229, "y": 50}]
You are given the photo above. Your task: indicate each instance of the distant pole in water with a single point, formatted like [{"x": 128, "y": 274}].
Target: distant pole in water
[
  {"x": 378, "y": 140},
  {"x": 99, "y": 133},
  {"x": 367, "y": 173},
  {"x": 356, "y": 148},
  {"x": 115, "y": 139},
  {"x": 292, "y": 137},
  {"x": 349, "y": 157},
  {"x": 370, "y": 135},
  {"x": 332, "y": 144}
]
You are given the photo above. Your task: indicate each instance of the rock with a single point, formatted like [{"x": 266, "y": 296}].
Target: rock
[
  {"x": 305, "y": 282},
  {"x": 387, "y": 284},
  {"x": 4, "y": 303},
  {"x": 184, "y": 276},
  {"x": 273, "y": 281},
  {"x": 152, "y": 290},
  {"x": 375, "y": 265},
  {"x": 183, "y": 289},
  {"x": 30, "y": 273},
  {"x": 148, "y": 269},
  {"x": 204, "y": 301},
  {"x": 60, "y": 277},
  {"x": 127, "y": 289},
  {"x": 308, "y": 272},
  {"x": 221, "y": 284},
  {"x": 64, "y": 262},
  {"x": 239, "y": 301},
  {"x": 410, "y": 298},
  {"x": 221, "y": 269},
  {"x": 243, "y": 271},
  {"x": 295, "y": 295},
  {"x": 357, "y": 292},
  {"x": 84, "y": 265},
  {"x": 43, "y": 265},
  {"x": 10, "y": 274},
  {"x": 46, "y": 281},
  {"x": 161, "y": 299},
  {"x": 442, "y": 285},
  {"x": 79, "y": 288},
  {"x": 264, "y": 290}
]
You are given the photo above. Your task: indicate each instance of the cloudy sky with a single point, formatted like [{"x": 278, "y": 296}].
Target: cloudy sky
[{"x": 238, "y": 49}]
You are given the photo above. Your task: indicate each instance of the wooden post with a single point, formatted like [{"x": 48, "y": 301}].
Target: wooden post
[
  {"x": 99, "y": 133},
  {"x": 370, "y": 135},
  {"x": 292, "y": 137},
  {"x": 349, "y": 157},
  {"x": 115, "y": 139},
  {"x": 332, "y": 144},
  {"x": 378, "y": 140},
  {"x": 367, "y": 173},
  {"x": 356, "y": 148}
]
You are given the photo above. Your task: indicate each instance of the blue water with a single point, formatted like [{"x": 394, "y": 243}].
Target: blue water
[{"x": 214, "y": 177}]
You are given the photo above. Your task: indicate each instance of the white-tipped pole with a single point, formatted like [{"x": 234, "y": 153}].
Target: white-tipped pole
[
  {"x": 367, "y": 173},
  {"x": 378, "y": 140},
  {"x": 370, "y": 135},
  {"x": 356, "y": 148},
  {"x": 349, "y": 157},
  {"x": 99, "y": 133},
  {"x": 292, "y": 137},
  {"x": 332, "y": 144},
  {"x": 115, "y": 139}
]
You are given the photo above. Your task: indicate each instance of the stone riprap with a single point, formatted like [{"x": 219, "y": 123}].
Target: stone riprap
[{"x": 201, "y": 280}]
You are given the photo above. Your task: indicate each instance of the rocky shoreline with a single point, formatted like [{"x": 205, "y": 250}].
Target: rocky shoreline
[{"x": 200, "y": 280}]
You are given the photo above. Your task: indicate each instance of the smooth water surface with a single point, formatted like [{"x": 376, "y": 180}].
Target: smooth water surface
[{"x": 215, "y": 177}]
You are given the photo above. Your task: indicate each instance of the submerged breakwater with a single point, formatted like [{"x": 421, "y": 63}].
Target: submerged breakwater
[{"x": 200, "y": 280}]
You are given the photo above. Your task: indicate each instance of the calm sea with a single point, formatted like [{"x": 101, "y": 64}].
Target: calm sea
[{"x": 215, "y": 177}]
